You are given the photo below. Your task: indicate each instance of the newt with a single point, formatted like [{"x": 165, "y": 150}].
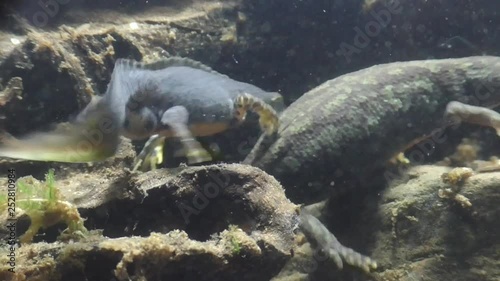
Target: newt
[
  {"x": 173, "y": 97},
  {"x": 353, "y": 124}
]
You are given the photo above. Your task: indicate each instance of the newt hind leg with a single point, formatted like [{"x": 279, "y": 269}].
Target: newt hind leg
[{"x": 268, "y": 118}]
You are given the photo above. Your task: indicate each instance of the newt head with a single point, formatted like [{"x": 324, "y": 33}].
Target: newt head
[{"x": 139, "y": 123}]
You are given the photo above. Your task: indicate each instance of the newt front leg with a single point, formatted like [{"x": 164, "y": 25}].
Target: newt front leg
[
  {"x": 176, "y": 118},
  {"x": 151, "y": 154},
  {"x": 268, "y": 118}
]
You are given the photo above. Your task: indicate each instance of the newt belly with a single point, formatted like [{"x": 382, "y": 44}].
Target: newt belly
[{"x": 199, "y": 129}]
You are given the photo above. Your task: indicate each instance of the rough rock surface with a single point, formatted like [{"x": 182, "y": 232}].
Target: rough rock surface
[
  {"x": 410, "y": 229},
  {"x": 435, "y": 238},
  {"x": 205, "y": 223},
  {"x": 416, "y": 234}
]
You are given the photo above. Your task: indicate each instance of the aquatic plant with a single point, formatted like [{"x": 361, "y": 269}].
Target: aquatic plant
[
  {"x": 44, "y": 205},
  {"x": 235, "y": 244}
]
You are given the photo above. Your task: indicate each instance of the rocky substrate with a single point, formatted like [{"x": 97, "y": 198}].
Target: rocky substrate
[
  {"x": 245, "y": 232},
  {"x": 415, "y": 232},
  {"x": 221, "y": 222},
  {"x": 233, "y": 221}
]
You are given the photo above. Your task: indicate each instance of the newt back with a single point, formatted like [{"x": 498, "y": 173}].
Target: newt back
[{"x": 354, "y": 123}]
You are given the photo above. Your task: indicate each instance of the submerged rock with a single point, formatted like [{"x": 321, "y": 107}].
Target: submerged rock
[
  {"x": 414, "y": 233},
  {"x": 216, "y": 222},
  {"x": 420, "y": 235}
]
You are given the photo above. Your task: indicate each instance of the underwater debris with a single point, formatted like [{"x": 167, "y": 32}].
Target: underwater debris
[
  {"x": 14, "y": 89},
  {"x": 454, "y": 41},
  {"x": 44, "y": 205},
  {"x": 368, "y": 5},
  {"x": 448, "y": 193},
  {"x": 456, "y": 177},
  {"x": 229, "y": 36},
  {"x": 465, "y": 154},
  {"x": 399, "y": 159}
]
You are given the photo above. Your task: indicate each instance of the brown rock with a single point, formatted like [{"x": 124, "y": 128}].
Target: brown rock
[{"x": 210, "y": 222}]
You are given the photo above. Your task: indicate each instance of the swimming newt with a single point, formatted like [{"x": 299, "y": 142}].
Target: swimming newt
[{"x": 173, "y": 97}]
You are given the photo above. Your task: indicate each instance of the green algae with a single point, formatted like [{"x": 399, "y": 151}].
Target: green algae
[{"x": 43, "y": 204}]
